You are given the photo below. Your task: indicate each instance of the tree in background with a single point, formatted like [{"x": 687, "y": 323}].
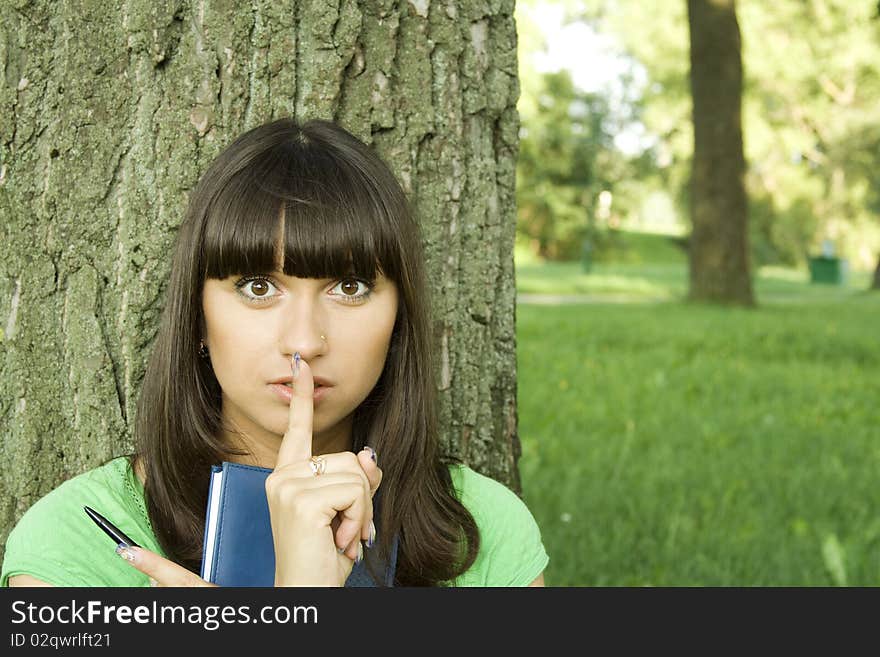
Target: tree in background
[
  {"x": 573, "y": 183},
  {"x": 814, "y": 120},
  {"x": 110, "y": 111},
  {"x": 718, "y": 247},
  {"x": 811, "y": 117},
  {"x": 567, "y": 160}
]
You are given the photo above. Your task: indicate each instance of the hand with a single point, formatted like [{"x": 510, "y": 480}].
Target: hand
[
  {"x": 318, "y": 522},
  {"x": 162, "y": 572}
]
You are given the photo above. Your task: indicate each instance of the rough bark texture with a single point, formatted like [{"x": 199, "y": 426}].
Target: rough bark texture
[
  {"x": 719, "y": 254},
  {"x": 109, "y": 112}
]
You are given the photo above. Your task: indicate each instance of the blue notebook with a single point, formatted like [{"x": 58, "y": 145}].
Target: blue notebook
[{"x": 238, "y": 546}]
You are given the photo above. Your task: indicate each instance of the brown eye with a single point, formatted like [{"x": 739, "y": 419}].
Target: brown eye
[
  {"x": 352, "y": 290},
  {"x": 259, "y": 288},
  {"x": 350, "y": 287},
  {"x": 255, "y": 289}
]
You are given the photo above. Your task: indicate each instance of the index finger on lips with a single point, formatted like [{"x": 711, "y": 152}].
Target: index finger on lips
[
  {"x": 296, "y": 446},
  {"x": 163, "y": 571}
]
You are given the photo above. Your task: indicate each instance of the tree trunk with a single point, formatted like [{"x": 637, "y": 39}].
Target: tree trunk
[
  {"x": 719, "y": 254},
  {"x": 108, "y": 114},
  {"x": 875, "y": 285}
]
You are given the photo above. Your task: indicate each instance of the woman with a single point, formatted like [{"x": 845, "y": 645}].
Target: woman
[{"x": 296, "y": 324}]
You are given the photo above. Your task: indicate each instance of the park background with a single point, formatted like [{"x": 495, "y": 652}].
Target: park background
[{"x": 670, "y": 440}]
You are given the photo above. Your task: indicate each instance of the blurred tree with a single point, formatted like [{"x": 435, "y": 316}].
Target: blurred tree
[
  {"x": 875, "y": 285},
  {"x": 567, "y": 159},
  {"x": 718, "y": 249},
  {"x": 813, "y": 119},
  {"x": 811, "y": 116}
]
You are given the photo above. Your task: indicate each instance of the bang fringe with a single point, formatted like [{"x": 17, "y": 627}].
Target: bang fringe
[{"x": 333, "y": 226}]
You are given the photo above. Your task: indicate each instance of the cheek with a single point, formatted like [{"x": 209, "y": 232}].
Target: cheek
[
  {"x": 379, "y": 349},
  {"x": 368, "y": 348},
  {"x": 234, "y": 345}
]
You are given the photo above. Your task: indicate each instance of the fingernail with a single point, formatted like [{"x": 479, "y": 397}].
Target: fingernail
[
  {"x": 296, "y": 358},
  {"x": 340, "y": 550},
  {"x": 126, "y": 553},
  {"x": 372, "y": 454},
  {"x": 360, "y": 556},
  {"x": 372, "y": 539}
]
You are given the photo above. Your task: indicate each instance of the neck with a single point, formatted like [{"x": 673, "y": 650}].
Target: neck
[{"x": 263, "y": 449}]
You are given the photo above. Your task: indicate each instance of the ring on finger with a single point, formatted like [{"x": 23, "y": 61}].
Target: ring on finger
[{"x": 318, "y": 464}]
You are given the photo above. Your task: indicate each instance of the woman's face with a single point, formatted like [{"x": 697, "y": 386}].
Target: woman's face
[{"x": 254, "y": 325}]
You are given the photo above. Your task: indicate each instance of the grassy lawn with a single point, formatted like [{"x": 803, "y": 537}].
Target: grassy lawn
[
  {"x": 666, "y": 279},
  {"x": 669, "y": 444}
]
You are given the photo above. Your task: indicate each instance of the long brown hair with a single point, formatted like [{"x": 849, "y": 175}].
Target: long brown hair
[{"x": 344, "y": 212}]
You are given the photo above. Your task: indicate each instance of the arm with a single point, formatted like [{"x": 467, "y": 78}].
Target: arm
[
  {"x": 539, "y": 580},
  {"x": 26, "y": 580}
]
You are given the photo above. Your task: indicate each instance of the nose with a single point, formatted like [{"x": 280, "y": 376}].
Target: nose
[{"x": 302, "y": 330}]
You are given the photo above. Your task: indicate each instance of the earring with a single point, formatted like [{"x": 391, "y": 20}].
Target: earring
[
  {"x": 323, "y": 338},
  {"x": 203, "y": 350}
]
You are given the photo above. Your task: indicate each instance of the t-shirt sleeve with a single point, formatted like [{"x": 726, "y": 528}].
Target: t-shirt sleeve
[
  {"x": 511, "y": 550},
  {"x": 33, "y": 547},
  {"x": 32, "y": 550},
  {"x": 55, "y": 542}
]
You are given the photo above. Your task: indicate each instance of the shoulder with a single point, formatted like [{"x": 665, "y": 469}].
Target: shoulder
[
  {"x": 102, "y": 482},
  {"x": 483, "y": 495},
  {"x": 56, "y": 542},
  {"x": 511, "y": 551}
]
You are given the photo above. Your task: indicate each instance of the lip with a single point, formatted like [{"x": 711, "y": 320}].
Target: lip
[
  {"x": 285, "y": 394},
  {"x": 319, "y": 380}
]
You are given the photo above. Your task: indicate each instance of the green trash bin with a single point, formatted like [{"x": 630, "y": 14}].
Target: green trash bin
[{"x": 829, "y": 270}]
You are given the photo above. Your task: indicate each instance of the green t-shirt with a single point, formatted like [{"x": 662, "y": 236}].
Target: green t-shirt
[{"x": 56, "y": 542}]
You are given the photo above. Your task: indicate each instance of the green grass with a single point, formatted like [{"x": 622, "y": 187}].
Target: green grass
[
  {"x": 632, "y": 247},
  {"x": 656, "y": 270},
  {"x": 668, "y": 282},
  {"x": 638, "y": 282},
  {"x": 671, "y": 444}
]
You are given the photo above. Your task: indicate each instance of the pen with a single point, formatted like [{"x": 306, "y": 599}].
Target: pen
[{"x": 110, "y": 529}]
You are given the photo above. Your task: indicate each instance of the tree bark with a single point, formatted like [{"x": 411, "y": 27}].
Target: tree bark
[
  {"x": 719, "y": 252},
  {"x": 110, "y": 112},
  {"x": 875, "y": 285}
]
